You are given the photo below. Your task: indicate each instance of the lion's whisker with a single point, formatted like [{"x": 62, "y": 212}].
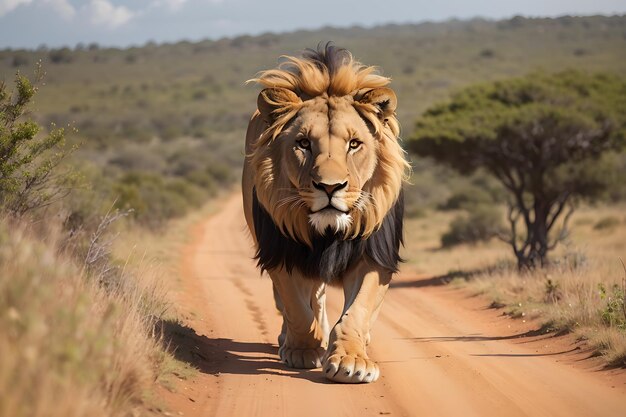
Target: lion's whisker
[{"x": 287, "y": 200}]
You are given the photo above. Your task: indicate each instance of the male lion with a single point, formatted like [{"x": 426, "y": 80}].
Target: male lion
[{"x": 322, "y": 187}]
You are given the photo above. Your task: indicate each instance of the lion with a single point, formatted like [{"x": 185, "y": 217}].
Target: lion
[{"x": 322, "y": 194}]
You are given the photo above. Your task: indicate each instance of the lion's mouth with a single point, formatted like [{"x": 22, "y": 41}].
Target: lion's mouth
[{"x": 330, "y": 209}]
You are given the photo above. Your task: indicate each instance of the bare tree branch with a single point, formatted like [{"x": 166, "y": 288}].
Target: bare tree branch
[
  {"x": 562, "y": 201},
  {"x": 564, "y": 232}
]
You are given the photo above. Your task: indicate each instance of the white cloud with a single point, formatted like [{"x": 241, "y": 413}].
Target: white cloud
[
  {"x": 97, "y": 12},
  {"x": 170, "y": 4},
  {"x": 7, "y": 6},
  {"x": 63, "y": 7},
  {"x": 178, "y": 4},
  {"x": 104, "y": 13}
]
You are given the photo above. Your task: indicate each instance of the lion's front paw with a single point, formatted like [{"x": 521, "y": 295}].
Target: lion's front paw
[
  {"x": 301, "y": 358},
  {"x": 351, "y": 369}
]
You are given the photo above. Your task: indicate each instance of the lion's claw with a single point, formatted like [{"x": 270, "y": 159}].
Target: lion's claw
[{"x": 351, "y": 369}]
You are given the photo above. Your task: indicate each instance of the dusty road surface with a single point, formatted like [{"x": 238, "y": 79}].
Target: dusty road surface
[{"x": 441, "y": 352}]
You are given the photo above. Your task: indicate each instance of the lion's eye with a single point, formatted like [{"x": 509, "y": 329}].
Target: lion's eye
[
  {"x": 355, "y": 143},
  {"x": 304, "y": 143}
]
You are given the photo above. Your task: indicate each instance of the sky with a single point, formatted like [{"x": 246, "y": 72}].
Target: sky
[{"x": 55, "y": 23}]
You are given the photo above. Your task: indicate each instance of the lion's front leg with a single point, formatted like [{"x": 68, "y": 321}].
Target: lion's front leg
[
  {"x": 346, "y": 359},
  {"x": 304, "y": 333}
]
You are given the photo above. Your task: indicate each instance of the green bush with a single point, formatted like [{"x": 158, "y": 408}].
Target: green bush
[
  {"x": 481, "y": 224},
  {"x": 614, "y": 312},
  {"x": 155, "y": 199},
  {"x": 28, "y": 160}
]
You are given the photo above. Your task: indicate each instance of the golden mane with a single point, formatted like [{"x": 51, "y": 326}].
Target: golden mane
[{"x": 330, "y": 71}]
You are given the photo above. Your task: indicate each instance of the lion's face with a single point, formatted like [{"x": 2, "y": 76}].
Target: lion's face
[
  {"x": 328, "y": 153},
  {"x": 335, "y": 165}
]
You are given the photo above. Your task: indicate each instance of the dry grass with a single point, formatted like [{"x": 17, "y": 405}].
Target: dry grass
[
  {"x": 582, "y": 293},
  {"x": 68, "y": 345},
  {"x": 161, "y": 249}
]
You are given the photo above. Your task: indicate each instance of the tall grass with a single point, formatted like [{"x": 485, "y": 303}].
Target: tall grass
[{"x": 68, "y": 345}]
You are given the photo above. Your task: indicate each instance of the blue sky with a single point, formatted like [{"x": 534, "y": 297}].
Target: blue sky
[{"x": 30, "y": 23}]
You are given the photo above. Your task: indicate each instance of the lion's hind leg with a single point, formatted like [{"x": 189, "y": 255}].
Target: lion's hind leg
[{"x": 279, "y": 306}]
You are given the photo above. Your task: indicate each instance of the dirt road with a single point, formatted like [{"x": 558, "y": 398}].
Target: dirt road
[{"x": 441, "y": 354}]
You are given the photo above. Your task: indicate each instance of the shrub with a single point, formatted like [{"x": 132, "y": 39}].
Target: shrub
[
  {"x": 467, "y": 198},
  {"x": 20, "y": 60},
  {"x": 609, "y": 222},
  {"x": 155, "y": 199},
  {"x": 482, "y": 224},
  {"x": 487, "y": 53},
  {"x": 135, "y": 158},
  {"x": 61, "y": 56},
  {"x": 28, "y": 160},
  {"x": 614, "y": 312}
]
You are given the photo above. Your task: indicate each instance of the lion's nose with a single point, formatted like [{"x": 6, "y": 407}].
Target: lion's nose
[{"x": 330, "y": 189}]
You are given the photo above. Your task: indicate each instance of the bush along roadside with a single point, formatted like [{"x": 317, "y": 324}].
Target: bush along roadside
[{"x": 77, "y": 326}]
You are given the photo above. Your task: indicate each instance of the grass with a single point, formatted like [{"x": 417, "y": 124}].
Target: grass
[
  {"x": 74, "y": 342},
  {"x": 582, "y": 293}
]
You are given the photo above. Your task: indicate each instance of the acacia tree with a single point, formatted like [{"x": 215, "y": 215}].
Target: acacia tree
[{"x": 541, "y": 136}]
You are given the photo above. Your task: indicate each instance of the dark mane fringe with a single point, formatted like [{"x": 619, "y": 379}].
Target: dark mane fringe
[
  {"x": 331, "y": 256},
  {"x": 328, "y": 56}
]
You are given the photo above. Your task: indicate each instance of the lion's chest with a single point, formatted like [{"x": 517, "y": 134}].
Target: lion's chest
[{"x": 330, "y": 256}]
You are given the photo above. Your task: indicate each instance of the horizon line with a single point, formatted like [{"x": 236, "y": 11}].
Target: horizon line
[{"x": 84, "y": 45}]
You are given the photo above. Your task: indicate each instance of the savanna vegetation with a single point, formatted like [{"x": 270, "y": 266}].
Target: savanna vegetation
[
  {"x": 551, "y": 143},
  {"x": 174, "y": 115},
  {"x": 581, "y": 292},
  {"x": 27, "y": 162},
  {"x": 122, "y": 141},
  {"x": 78, "y": 324},
  {"x": 543, "y": 137}
]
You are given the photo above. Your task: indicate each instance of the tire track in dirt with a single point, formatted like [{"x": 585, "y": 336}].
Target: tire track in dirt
[
  {"x": 440, "y": 353},
  {"x": 255, "y": 311}
]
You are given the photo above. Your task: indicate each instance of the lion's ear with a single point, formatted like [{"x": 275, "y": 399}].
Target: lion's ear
[
  {"x": 272, "y": 101},
  {"x": 384, "y": 99}
]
